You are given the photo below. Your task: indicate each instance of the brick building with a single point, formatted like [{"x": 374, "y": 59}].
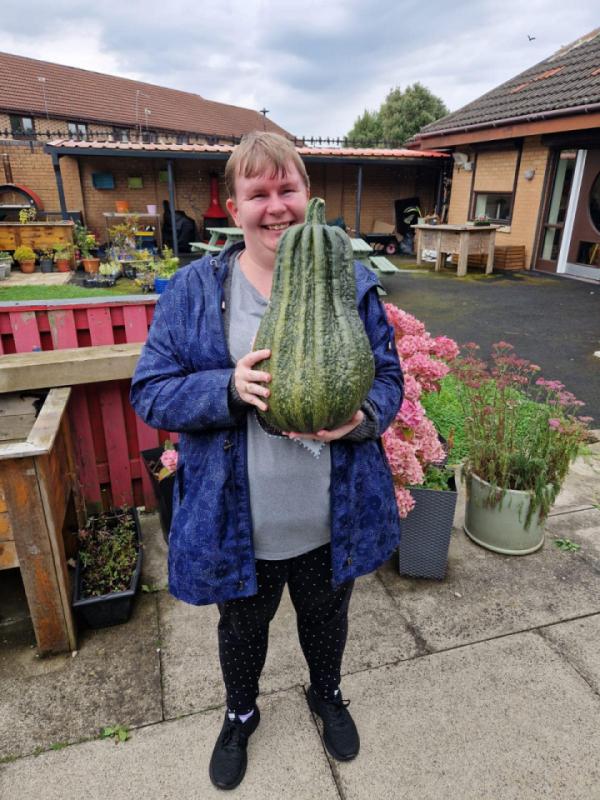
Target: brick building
[
  {"x": 113, "y": 139},
  {"x": 527, "y": 155}
]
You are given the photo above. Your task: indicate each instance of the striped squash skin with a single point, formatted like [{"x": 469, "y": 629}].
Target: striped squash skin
[{"x": 321, "y": 361}]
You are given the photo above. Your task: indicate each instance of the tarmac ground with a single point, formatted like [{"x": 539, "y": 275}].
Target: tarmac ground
[{"x": 551, "y": 321}]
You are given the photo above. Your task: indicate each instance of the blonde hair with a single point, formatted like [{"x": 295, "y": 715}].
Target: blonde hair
[{"x": 259, "y": 152}]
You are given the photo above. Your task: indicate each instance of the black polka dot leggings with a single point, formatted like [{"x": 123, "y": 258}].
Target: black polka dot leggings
[{"x": 322, "y": 618}]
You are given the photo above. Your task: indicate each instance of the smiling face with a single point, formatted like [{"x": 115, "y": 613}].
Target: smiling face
[{"x": 264, "y": 207}]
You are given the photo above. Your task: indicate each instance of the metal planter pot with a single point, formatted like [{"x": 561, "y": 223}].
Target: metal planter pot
[
  {"x": 423, "y": 551},
  {"x": 500, "y": 526}
]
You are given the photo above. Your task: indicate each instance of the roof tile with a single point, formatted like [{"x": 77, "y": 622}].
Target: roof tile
[
  {"x": 82, "y": 95},
  {"x": 547, "y": 86}
]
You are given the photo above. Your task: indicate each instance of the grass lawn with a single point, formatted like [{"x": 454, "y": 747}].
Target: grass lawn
[{"x": 66, "y": 292}]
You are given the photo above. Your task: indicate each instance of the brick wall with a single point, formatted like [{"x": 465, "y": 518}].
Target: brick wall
[
  {"x": 496, "y": 172},
  {"x": 31, "y": 167},
  {"x": 458, "y": 211},
  {"x": 381, "y": 186}
]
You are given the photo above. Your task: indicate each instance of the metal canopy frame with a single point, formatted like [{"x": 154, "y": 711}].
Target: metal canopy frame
[{"x": 58, "y": 151}]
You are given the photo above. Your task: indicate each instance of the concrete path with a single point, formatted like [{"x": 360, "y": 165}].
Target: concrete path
[{"x": 484, "y": 686}]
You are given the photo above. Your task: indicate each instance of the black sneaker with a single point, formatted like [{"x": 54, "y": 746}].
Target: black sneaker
[
  {"x": 339, "y": 731},
  {"x": 229, "y": 758}
]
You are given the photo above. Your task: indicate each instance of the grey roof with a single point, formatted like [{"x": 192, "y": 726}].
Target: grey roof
[{"x": 566, "y": 80}]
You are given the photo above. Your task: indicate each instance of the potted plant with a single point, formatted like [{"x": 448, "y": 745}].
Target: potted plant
[
  {"x": 121, "y": 239},
  {"x": 108, "y": 568},
  {"x": 413, "y": 446},
  {"x": 25, "y": 257},
  {"x": 521, "y": 434},
  {"x": 481, "y": 221},
  {"x": 110, "y": 271},
  {"x": 63, "y": 253},
  {"x": 161, "y": 464},
  {"x": 423, "y": 551},
  {"x": 46, "y": 260},
  {"x": 413, "y": 214},
  {"x": 86, "y": 243},
  {"x": 164, "y": 269},
  {"x": 27, "y": 215},
  {"x": 5, "y": 264}
]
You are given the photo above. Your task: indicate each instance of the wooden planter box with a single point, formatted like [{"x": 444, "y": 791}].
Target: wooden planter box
[
  {"x": 37, "y": 235},
  {"x": 39, "y": 498},
  {"x": 505, "y": 257}
]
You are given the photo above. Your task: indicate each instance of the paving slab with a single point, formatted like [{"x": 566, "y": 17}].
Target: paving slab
[
  {"x": 192, "y": 679},
  {"x": 486, "y": 594},
  {"x": 581, "y": 527},
  {"x": 502, "y": 720},
  {"x": 167, "y": 761},
  {"x": 581, "y": 489},
  {"x": 578, "y": 642},
  {"x": 113, "y": 678}
]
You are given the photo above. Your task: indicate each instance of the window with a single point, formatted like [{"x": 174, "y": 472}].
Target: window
[
  {"x": 149, "y": 137},
  {"x": 494, "y": 205},
  {"x": 121, "y": 134},
  {"x": 21, "y": 126},
  {"x": 78, "y": 130}
]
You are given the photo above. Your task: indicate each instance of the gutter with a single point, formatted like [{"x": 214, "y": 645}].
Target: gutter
[{"x": 570, "y": 111}]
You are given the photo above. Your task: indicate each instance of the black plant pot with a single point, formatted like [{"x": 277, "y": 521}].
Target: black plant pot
[
  {"x": 423, "y": 551},
  {"x": 46, "y": 264},
  {"x": 116, "y": 607},
  {"x": 163, "y": 490}
]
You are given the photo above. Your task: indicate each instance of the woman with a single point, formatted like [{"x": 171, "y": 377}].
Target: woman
[{"x": 253, "y": 511}]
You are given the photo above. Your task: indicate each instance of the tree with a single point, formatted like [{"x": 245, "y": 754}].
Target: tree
[
  {"x": 400, "y": 116},
  {"x": 367, "y": 129}
]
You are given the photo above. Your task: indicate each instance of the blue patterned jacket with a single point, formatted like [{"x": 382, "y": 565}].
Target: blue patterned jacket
[{"x": 180, "y": 384}]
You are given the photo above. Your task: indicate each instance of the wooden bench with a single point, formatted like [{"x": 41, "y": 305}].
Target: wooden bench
[
  {"x": 204, "y": 247},
  {"x": 383, "y": 264}
]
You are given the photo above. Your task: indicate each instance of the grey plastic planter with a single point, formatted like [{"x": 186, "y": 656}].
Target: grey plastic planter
[
  {"x": 501, "y": 526},
  {"x": 423, "y": 551}
]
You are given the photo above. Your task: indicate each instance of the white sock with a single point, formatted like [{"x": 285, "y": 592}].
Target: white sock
[{"x": 242, "y": 717}]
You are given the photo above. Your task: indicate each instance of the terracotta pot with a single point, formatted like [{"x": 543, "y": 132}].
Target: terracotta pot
[
  {"x": 27, "y": 266},
  {"x": 122, "y": 206},
  {"x": 63, "y": 265},
  {"x": 91, "y": 265}
]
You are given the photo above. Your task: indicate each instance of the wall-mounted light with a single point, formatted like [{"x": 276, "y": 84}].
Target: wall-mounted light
[{"x": 529, "y": 174}]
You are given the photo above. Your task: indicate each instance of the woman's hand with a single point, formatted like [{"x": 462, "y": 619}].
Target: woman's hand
[
  {"x": 248, "y": 381},
  {"x": 336, "y": 433}
]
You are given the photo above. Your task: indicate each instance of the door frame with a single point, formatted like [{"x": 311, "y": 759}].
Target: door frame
[{"x": 563, "y": 266}]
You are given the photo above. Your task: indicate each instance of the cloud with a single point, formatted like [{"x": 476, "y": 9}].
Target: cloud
[{"x": 316, "y": 66}]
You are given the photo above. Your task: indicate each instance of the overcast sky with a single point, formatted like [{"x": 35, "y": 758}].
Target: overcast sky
[{"x": 315, "y": 65}]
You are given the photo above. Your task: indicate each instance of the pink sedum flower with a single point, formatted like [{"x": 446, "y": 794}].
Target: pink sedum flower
[{"x": 168, "y": 459}]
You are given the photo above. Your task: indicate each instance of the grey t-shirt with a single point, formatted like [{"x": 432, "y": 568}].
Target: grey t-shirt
[{"x": 289, "y": 487}]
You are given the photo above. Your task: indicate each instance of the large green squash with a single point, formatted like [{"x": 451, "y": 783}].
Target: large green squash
[{"x": 321, "y": 361}]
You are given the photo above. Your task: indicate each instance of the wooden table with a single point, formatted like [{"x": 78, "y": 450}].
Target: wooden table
[
  {"x": 112, "y": 217},
  {"x": 461, "y": 240},
  {"x": 230, "y": 235},
  {"x": 38, "y": 493}
]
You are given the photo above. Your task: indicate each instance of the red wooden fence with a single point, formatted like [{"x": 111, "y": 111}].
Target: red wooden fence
[{"x": 107, "y": 434}]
